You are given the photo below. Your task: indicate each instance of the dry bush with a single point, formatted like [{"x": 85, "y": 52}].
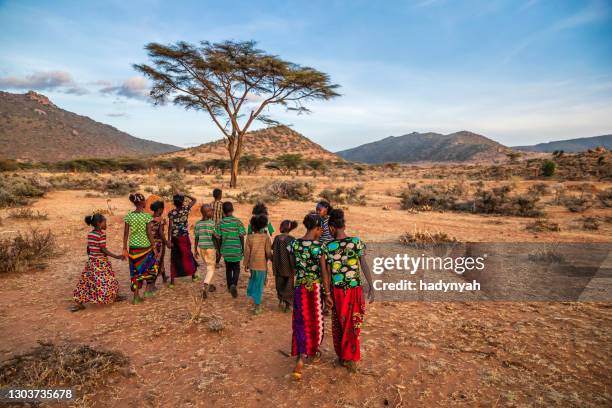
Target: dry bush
[
  {"x": 590, "y": 223},
  {"x": 605, "y": 197},
  {"x": 546, "y": 255},
  {"x": 539, "y": 189},
  {"x": 435, "y": 196},
  {"x": 17, "y": 190},
  {"x": 543, "y": 225},
  {"x": 577, "y": 204},
  {"x": 425, "y": 239},
  {"x": 114, "y": 186},
  {"x": 499, "y": 201},
  {"x": 278, "y": 190},
  {"x": 80, "y": 367},
  {"x": 26, "y": 250},
  {"x": 27, "y": 214},
  {"x": 345, "y": 195},
  {"x": 171, "y": 184}
]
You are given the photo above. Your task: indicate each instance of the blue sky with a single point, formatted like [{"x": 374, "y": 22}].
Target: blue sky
[{"x": 520, "y": 72}]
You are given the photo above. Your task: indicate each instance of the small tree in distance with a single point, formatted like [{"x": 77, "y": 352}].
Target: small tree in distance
[{"x": 227, "y": 79}]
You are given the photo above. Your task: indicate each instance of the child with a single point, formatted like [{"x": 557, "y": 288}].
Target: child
[
  {"x": 142, "y": 254},
  {"x": 257, "y": 252},
  {"x": 159, "y": 237},
  {"x": 182, "y": 262},
  {"x": 230, "y": 233},
  {"x": 98, "y": 283},
  {"x": 260, "y": 209},
  {"x": 281, "y": 265},
  {"x": 323, "y": 209},
  {"x": 217, "y": 207},
  {"x": 204, "y": 246},
  {"x": 344, "y": 256},
  {"x": 307, "y": 316}
]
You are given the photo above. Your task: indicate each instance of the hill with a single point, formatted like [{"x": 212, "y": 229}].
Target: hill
[
  {"x": 33, "y": 128},
  {"x": 430, "y": 147},
  {"x": 571, "y": 145},
  {"x": 270, "y": 142}
]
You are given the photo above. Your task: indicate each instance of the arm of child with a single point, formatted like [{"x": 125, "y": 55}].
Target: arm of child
[
  {"x": 366, "y": 272},
  {"x": 195, "y": 244},
  {"x": 191, "y": 199},
  {"x": 325, "y": 276},
  {"x": 169, "y": 241},
  {"x": 126, "y": 235},
  {"x": 151, "y": 237},
  {"x": 247, "y": 252}
]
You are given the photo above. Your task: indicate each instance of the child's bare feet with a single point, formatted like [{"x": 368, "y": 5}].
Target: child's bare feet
[
  {"x": 77, "y": 307},
  {"x": 297, "y": 371}
]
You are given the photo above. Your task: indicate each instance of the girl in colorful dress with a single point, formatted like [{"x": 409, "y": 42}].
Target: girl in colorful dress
[
  {"x": 159, "y": 238},
  {"x": 307, "y": 261},
  {"x": 344, "y": 258},
  {"x": 257, "y": 253},
  {"x": 98, "y": 283},
  {"x": 260, "y": 209},
  {"x": 281, "y": 265},
  {"x": 139, "y": 249},
  {"x": 182, "y": 261}
]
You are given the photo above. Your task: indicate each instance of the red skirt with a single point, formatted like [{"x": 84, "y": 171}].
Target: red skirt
[
  {"x": 307, "y": 321},
  {"x": 347, "y": 318},
  {"x": 182, "y": 262}
]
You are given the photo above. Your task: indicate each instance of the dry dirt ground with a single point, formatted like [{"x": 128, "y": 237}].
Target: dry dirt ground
[{"x": 414, "y": 354}]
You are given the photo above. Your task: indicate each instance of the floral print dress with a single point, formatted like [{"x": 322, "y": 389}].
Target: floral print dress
[{"x": 98, "y": 283}]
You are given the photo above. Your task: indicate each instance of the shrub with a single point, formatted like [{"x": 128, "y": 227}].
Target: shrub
[
  {"x": 18, "y": 190},
  {"x": 27, "y": 214},
  {"x": 434, "y": 196},
  {"x": 605, "y": 197},
  {"x": 577, "y": 204},
  {"x": 542, "y": 225},
  {"x": 288, "y": 190},
  {"x": 345, "y": 195},
  {"x": 538, "y": 189},
  {"x": 26, "y": 250},
  {"x": 590, "y": 223},
  {"x": 425, "y": 239},
  {"x": 175, "y": 184},
  {"x": 548, "y": 168}
]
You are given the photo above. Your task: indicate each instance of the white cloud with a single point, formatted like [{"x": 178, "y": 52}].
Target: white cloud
[
  {"x": 133, "y": 88},
  {"x": 44, "y": 81}
]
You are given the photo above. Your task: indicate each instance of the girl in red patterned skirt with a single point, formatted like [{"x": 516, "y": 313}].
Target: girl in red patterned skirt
[
  {"x": 344, "y": 262},
  {"x": 98, "y": 283}
]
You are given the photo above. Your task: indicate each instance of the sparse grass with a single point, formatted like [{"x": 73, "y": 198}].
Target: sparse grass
[
  {"x": 543, "y": 225},
  {"x": 17, "y": 190},
  {"x": 425, "y": 239},
  {"x": 26, "y": 250},
  {"x": 546, "y": 255},
  {"x": 345, "y": 195},
  {"x": 80, "y": 367},
  {"x": 590, "y": 223},
  {"x": 27, "y": 214}
]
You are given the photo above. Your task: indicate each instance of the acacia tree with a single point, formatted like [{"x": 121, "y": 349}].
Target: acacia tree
[{"x": 234, "y": 82}]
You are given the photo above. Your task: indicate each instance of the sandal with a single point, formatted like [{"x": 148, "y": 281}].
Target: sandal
[
  {"x": 77, "y": 307},
  {"x": 137, "y": 301},
  {"x": 350, "y": 366},
  {"x": 212, "y": 288}
]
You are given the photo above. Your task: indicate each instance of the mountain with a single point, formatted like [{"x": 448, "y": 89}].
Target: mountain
[
  {"x": 571, "y": 145},
  {"x": 33, "y": 128},
  {"x": 270, "y": 142},
  {"x": 431, "y": 147}
]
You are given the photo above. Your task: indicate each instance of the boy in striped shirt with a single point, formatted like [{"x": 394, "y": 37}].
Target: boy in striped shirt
[
  {"x": 205, "y": 247},
  {"x": 231, "y": 232}
]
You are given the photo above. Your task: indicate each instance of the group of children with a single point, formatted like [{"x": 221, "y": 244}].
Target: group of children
[{"x": 314, "y": 274}]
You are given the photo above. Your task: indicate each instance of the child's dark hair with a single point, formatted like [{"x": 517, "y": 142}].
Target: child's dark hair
[
  {"x": 260, "y": 208},
  {"x": 312, "y": 220},
  {"x": 136, "y": 198},
  {"x": 336, "y": 218},
  {"x": 287, "y": 226},
  {"x": 259, "y": 222},
  {"x": 217, "y": 193},
  {"x": 94, "y": 220},
  {"x": 157, "y": 205},
  {"x": 325, "y": 204},
  {"x": 228, "y": 207},
  {"x": 178, "y": 200},
  {"x": 204, "y": 208}
]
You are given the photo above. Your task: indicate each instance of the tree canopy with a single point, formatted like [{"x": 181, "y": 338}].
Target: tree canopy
[{"x": 234, "y": 82}]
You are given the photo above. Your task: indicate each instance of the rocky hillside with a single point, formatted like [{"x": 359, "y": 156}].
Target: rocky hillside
[
  {"x": 33, "y": 128},
  {"x": 428, "y": 147},
  {"x": 271, "y": 143},
  {"x": 571, "y": 145}
]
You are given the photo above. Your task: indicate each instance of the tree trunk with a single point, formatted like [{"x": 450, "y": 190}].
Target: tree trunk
[{"x": 234, "y": 172}]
